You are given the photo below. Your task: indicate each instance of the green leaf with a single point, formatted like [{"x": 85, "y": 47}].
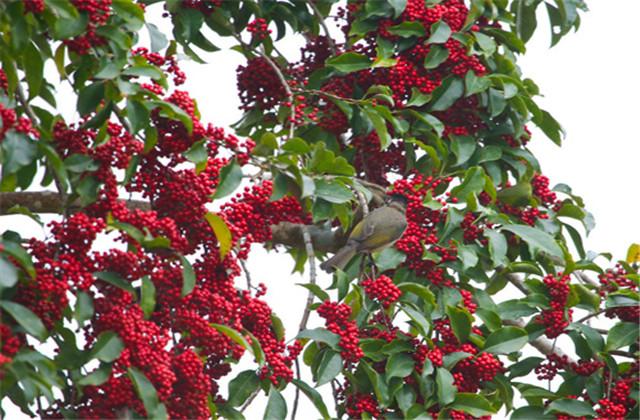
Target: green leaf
[
  {"x": 97, "y": 377},
  {"x": 68, "y": 28},
  {"x": 461, "y": 321},
  {"x": 446, "y": 389},
  {"x": 398, "y": 6},
  {"x": 329, "y": 367},
  {"x": 158, "y": 39},
  {"x": 8, "y": 273},
  {"x": 333, "y": 191},
  {"x": 18, "y": 152},
  {"x": 536, "y": 238},
  {"x": 490, "y": 318},
  {"x": 276, "y": 406},
  {"x": 446, "y": 94},
  {"x": 436, "y": 56},
  {"x": 34, "y": 69},
  {"x": 419, "y": 290},
  {"x": 137, "y": 114},
  {"x": 497, "y": 247},
  {"x": 315, "y": 290},
  {"x": 147, "y": 296},
  {"x": 518, "y": 195},
  {"x": 474, "y": 404},
  {"x": 230, "y": 179},
  {"x": 570, "y": 406},
  {"x": 321, "y": 335},
  {"x": 380, "y": 125},
  {"x": 114, "y": 279},
  {"x": 24, "y": 259},
  {"x": 473, "y": 183},
  {"x": 440, "y": 33},
  {"x": 399, "y": 365},
  {"x": 474, "y": 84},
  {"x": 107, "y": 347},
  {"x": 506, "y": 340},
  {"x": 80, "y": 163},
  {"x": 349, "y": 62},
  {"x": 408, "y": 29},
  {"x": 389, "y": 258},
  {"x": 314, "y": 396},
  {"x": 463, "y": 147},
  {"x": 550, "y": 127},
  {"x": 234, "y": 335},
  {"x": 242, "y": 386},
  {"x": 84, "y": 307},
  {"x": 188, "y": 277},
  {"x": 147, "y": 393},
  {"x": 89, "y": 98},
  {"x": 26, "y": 318},
  {"x": 222, "y": 232},
  {"x": 531, "y": 412},
  {"x": 524, "y": 367},
  {"x": 622, "y": 335}
]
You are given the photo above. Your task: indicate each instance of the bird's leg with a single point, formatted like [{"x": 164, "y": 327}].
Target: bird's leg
[
  {"x": 372, "y": 265},
  {"x": 363, "y": 269}
]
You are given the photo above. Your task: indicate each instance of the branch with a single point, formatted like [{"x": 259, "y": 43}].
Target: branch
[
  {"x": 307, "y": 308},
  {"x": 543, "y": 345},
  {"x": 50, "y": 202},
  {"x": 321, "y": 20}
]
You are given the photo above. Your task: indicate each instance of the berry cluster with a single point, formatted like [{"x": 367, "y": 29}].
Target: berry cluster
[
  {"x": 99, "y": 12},
  {"x": 259, "y": 29},
  {"x": 336, "y": 317},
  {"x": 558, "y": 317},
  {"x": 382, "y": 290}
]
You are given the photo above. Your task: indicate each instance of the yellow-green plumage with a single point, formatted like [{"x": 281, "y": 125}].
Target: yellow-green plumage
[{"x": 378, "y": 230}]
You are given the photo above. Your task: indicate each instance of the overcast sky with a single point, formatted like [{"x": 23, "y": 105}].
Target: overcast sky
[{"x": 590, "y": 85}]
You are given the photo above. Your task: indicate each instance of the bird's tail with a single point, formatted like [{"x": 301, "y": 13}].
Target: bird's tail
[{"x": 340, "y": 259}]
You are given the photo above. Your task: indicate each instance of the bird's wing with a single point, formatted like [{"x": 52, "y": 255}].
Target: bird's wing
[{"x": 363, "y": 229}]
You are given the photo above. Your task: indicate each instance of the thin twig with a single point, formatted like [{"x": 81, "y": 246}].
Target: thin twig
[
  {"x": 584, "y": 318},
  {"x": 287, "y": 89},
  {"x": 321, "y": 20},
  {"x": 249, "y": 400},
  {"x": 22, "y": 98},
  {"x": 246, "y": 273},
  {"x": 623, "y": 353},
  {"x": 307, "y": 308},
  {"x": 312, "y": 275}
]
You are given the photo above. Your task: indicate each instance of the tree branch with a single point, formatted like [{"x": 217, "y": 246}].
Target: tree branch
[
  {"x": 543, "y": 345},
  {"x": 321, "y": 20}
]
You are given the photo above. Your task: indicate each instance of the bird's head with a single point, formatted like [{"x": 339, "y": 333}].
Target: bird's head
[{"x": 397, "y": 201}]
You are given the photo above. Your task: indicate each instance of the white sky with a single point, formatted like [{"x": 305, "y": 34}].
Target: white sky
[{"x": 590, "y": 85}]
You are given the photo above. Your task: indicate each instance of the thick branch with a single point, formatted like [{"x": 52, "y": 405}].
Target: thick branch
[
  {"x": 50, "y": 202},
  {"x": 543, "y": 345}
]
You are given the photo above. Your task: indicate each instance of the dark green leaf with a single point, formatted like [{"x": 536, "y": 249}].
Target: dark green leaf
[
  {"x": 242, "y": 386},
  {"x": 84, "y": 307},
  {"x": 440, "y": 33},
  {"x": 26, "y": 318},
  {"x": 8, "y": 273},
  {"x": 436, "y": 56},
  {"x": 461, "y": 321},
  {"x": 446, "y": 389},
  {"x": 329, "y": 367},
  {"x": 97, "y": 377},
  {"x": 497, "y": 247},
  {"x": 230, "y": 179},
  {"x": 137, "y": 114},
  {"x": 321, "y": 335},
  {"x": 408, "y": 29},
  {"x": 447, "y": 93},
  {"x": 89, "y": 98},
  {"x": 147, "y": 393},
  {"x": 570, "y": 406},
  {"x": 276, "y": 406},
  {"x": 314, "y": 396},
  {"x": 333, "y": 191},
  {"x": 147, "y": 296},
  {"x": 399, "y": 365},
  {"x": 622, "y": 335},
  {"x": 536, "y": 238},
  {"x": 108, "y": 347},
  {"x": 389, "y": 258},
  {"x": 349, "y": 62},
  {"x": 506, "y": 340},
  {"x": 114, "y": 279},
  {"x": 474, "y": 404},
  {"x": 18, "y": 150}
]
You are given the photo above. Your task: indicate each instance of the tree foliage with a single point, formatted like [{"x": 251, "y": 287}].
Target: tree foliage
[{"x": 422, "y": 98}]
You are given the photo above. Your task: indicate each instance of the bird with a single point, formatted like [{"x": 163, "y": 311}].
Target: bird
[{"x": 380, "y": 229}]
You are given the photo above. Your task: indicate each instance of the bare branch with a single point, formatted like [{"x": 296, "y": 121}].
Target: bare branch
[
  {"x": 543, "y": 345},
  {"x": 50, "y": 202},
  {"x": 321, "y": 20},
  {"x": 307, "y": 308}
]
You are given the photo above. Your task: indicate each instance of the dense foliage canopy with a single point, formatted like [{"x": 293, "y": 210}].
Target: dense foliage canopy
[{"x": 416, "y": 97}]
